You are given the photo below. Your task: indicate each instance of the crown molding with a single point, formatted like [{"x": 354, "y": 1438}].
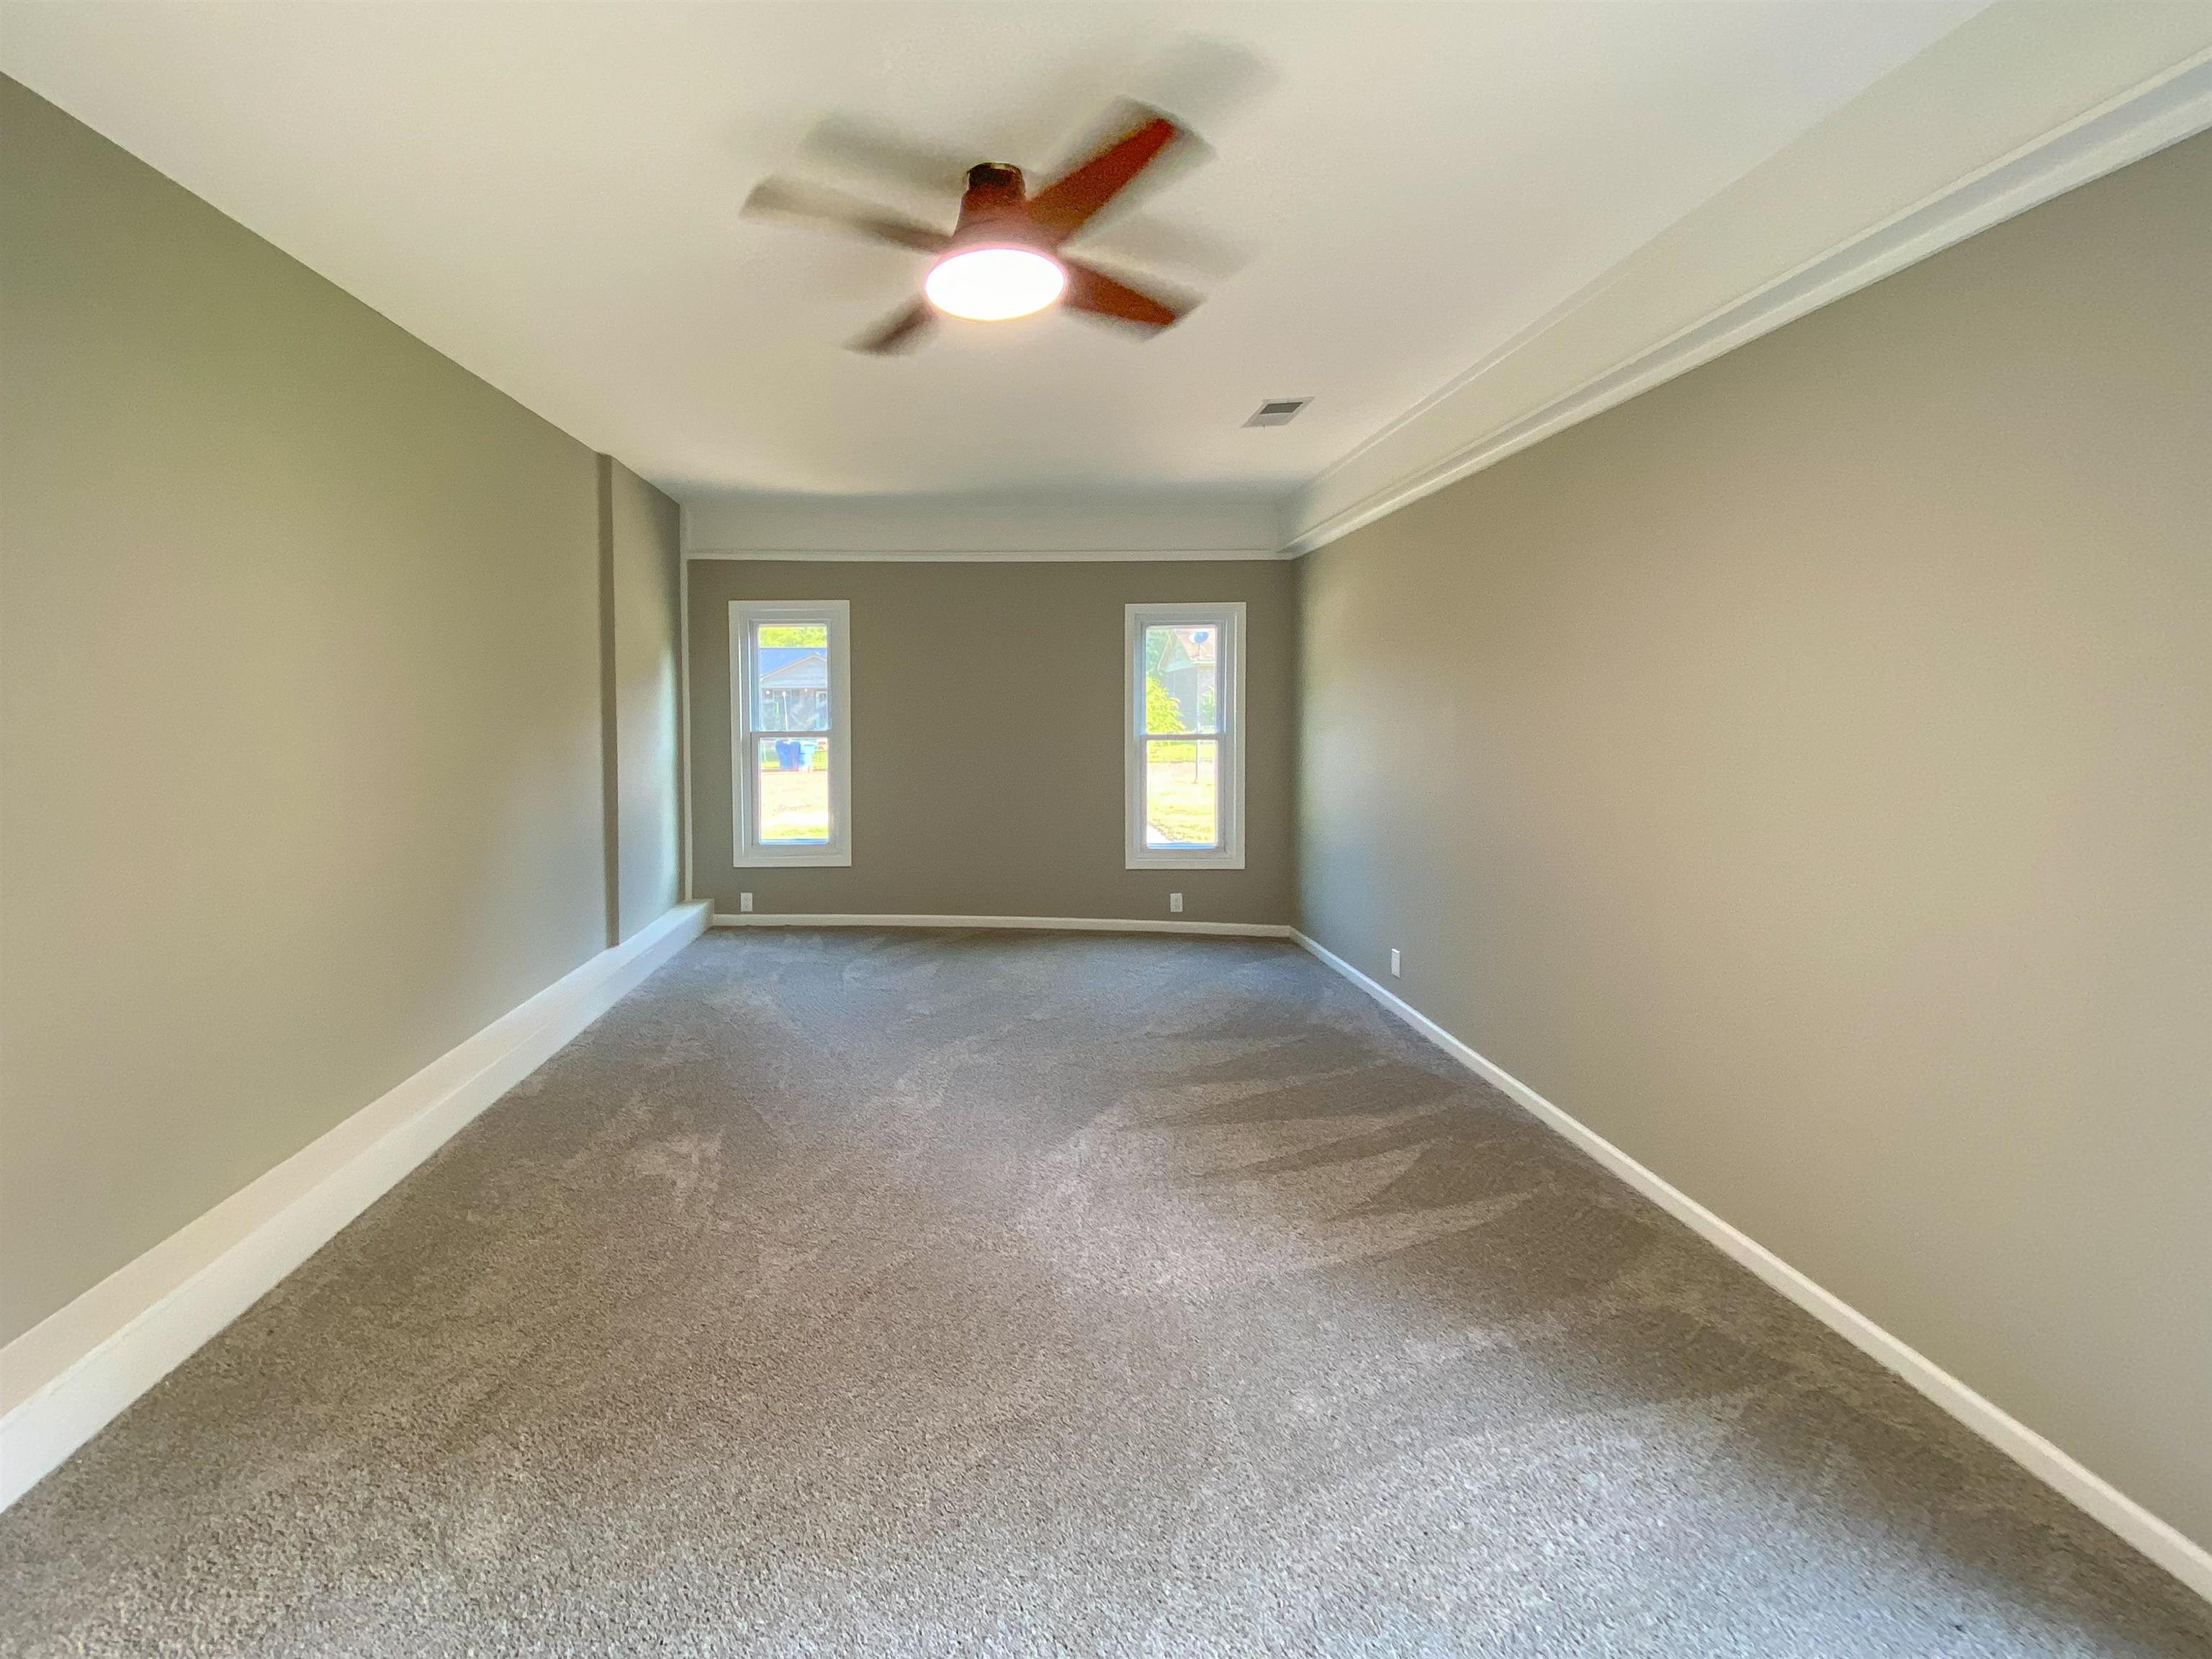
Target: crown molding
[
  {"x": 1068, "y": 523},
  {"x": 988, "y": 556},
  {"x": 2169, "y": 106}
]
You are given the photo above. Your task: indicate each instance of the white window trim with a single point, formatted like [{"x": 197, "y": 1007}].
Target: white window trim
[
  {"x": 1229, "y": 619},
  {"x": 747, "y": 852}
]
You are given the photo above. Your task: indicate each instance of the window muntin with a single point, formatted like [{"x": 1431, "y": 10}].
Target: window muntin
[
  {"x": 1184, "y": 767},
  {"x": 791, "y": 732}
]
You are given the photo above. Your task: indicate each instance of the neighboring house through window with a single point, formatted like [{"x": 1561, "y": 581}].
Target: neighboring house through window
[
  {"x": 791, "y": 732},
  {"x": 1183, "y": 720}
]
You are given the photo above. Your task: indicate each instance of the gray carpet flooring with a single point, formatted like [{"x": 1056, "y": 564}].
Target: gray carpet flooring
[{"x": 953, "y": 1293}]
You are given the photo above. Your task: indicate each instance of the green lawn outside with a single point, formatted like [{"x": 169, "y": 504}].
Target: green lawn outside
[
  {"x": 1181, "y": 794},
  {"x": 794, "y": 807},
  {"x": 1182, "y": 798}
]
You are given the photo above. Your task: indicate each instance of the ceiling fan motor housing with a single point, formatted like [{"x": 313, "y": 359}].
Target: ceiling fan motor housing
[{"x": 994, "y": 212}]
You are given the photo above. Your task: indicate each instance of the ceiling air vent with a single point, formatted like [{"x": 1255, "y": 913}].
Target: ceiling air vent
[{"x": 1277, "y": 411}]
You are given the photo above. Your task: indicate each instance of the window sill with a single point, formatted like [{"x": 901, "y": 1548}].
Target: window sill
[
  {"x": 1184, "y": 861},
  {"x": 826, "y": 860}
]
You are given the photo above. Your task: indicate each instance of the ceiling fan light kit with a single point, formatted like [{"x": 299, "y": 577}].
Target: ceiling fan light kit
[
  {"x": 1003, "y": 259},
  {"x": 999, "y": 265},
  {"x": 993, "y": 284}
]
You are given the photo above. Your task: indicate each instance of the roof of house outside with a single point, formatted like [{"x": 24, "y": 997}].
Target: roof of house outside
[{"x": 794, "y": 668}]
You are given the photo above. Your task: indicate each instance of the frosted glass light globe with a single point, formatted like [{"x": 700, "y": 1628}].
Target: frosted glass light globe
[{"x": 991, "y": 284}]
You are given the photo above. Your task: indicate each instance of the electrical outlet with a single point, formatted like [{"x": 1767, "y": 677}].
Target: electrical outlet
[
  {"x": 1394, "y": 962},
  {"x": 1175, "y": 902},
  {"x": 745, "y": 902}
]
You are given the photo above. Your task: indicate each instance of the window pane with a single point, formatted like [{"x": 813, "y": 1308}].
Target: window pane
[
  {"x": 1183, "y": 678},
  {"x": 791, "y": 664},
  {"x": 1182, "y": 792},
  {"x": 793, "y": 790}
]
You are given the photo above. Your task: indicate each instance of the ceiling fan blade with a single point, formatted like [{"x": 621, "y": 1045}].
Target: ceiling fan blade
[
  {"x": 902, "y": 330},
  {"x": 1092, "y": 290},
  {"x": 848, "y": 144},
  {"x": 1059, "y": 209},
  {"x": 815, "y": 205},
  {"x": 1145, "y": 241}
]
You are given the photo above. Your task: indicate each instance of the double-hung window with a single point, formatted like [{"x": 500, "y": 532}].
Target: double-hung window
[
  {"x": 791, "y": 727},
  {"x": 1183, "y": 722}
]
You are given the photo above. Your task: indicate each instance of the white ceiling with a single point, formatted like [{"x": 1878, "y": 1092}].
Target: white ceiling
[{"x": 549, "y": 194}]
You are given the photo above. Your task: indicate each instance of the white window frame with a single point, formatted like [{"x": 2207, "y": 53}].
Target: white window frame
[
  {"x": 1228, "y": 619},
  {"x": 747, "y": 850}
]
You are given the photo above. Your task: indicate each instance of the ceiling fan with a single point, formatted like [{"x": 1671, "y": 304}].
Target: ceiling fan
[{"x": 1006, "y": 257}]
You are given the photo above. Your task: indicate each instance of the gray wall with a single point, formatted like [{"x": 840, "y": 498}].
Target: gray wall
[
  {"x": 1802, "y": 774},
  {"x": 970, "y": 804},
  {"x": 641, "y": 551},
  {"x": 300, "y": 706}
]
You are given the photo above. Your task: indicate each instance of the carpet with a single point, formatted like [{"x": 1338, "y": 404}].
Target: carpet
[{"x": 902, "y": 1292}]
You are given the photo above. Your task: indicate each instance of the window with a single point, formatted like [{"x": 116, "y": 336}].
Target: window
[
  {"x": 791, "y": 733},
  {"x": 1183, "y": 761}
]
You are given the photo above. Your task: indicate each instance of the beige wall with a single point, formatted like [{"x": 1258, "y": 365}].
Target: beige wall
[
  {"x": 641, "y": 551},
  {"x": 300, "y": 723},
  {"x": 1802, "y": 774},
  {"x": 986, "y": 738}
]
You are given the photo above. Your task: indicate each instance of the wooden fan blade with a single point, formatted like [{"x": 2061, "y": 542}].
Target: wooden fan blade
[
  {"x": 860, "y": 148},
  {"x": 814, "y": 205},
  {"x": 901, "y": 332},
  {"x": 1092, "y": 290},
  {"x": 1059, "y": 209}
]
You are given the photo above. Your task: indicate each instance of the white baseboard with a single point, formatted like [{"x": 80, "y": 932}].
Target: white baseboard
[
  {"x": 66, "y": 1377},
  {"x": 2163, "y": 1543},
  {"x": 1027, "y": 924}
]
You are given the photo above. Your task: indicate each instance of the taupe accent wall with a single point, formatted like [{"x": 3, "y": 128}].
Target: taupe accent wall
[
  {"x": 986, "y": 738},
  {"x": 1802, "y": 775},
  {"x": 300, "y": 706}
]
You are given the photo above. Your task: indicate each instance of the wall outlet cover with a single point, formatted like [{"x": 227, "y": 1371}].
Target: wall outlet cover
[
  {"x": 745, "y": 902},
  {"x": 1174, "y": 900},
  {"x": 1394, "y": 962}
]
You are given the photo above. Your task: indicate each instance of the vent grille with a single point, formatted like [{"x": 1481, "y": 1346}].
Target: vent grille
[{"x": 1277, "y": 411}]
